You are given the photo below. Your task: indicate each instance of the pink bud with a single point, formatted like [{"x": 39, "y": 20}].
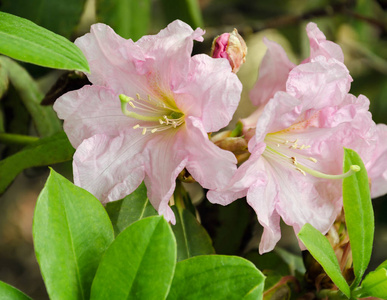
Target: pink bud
[{"x": 230, "y": 46}]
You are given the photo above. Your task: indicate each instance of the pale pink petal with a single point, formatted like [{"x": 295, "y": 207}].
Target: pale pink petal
[
  {"x": 164, "y": 159},
  {"x": 112, "y": 59},
  {"x": 273, "y": 74},
  {"x": 320, "y": 46},
  {"x": 319, "y": 83},
  {"x": 110, "y": 168},
  {"x": 211, "y": 166},
  {"x": 211, "y": 92},
  {"x": 91, "y": 110}
]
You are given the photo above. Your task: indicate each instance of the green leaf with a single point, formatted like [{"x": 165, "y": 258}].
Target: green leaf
[
  {"x": 191, "y": 237},
  {"x": 24, "y": 40},
  {"x": 139, "y": 264},
  {"x": 62, "y": 17},
  {"x": 71, "y": 232},
  {"x": 374, "y": 285},
  {"x": 318, "y": 245},
  {"x": 185, "y": 10},
  {"x": 3, "y": 80},
  {"x": 132, "y": 208},
  {"x": 11, "y": 293},
  {"x": 359, "y": 215},
  {"x": 129, "y": 18},
  {"x": 382, "y": 265},
  {"x": 47, "y": 151},
  {"x": 216, "y": 277},
  {"x": 45, "y": 119}
]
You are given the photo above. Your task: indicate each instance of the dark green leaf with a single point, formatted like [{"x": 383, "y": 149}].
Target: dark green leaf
[
  {"x": 318, "y": 245},
  {"x": 129, "y": 18},
  {"x": 3, "y": 80},
  {"x": 45, "y": 119},
  {"x": 71, "y": 231},
  {"x": 60, "y": 17},
  {"x": 47, "y": 151},
  {"x": 216, "y": 277},
  {"x": 374, "y": 284},
  {"x": 24, "y": 40},
  {"x": 132, "y": 208},
  {"x": 139, "y": 264},
  {"x": 191, "y": 237},
  {"x": 359, "y": 215},
  {"x": 11, "y": 293},
  {"x": 185, "y": 10}
]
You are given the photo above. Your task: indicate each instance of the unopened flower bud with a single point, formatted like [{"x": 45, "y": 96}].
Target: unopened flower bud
[{"x": 230, "y": 46}]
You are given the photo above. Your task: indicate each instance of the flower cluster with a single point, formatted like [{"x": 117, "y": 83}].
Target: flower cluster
[{"x": 151, "y": 105}]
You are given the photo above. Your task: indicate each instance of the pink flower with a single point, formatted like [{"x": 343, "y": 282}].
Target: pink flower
[
  {"x": 147, "y": 114},
  {"x": 296, "y": 137}
]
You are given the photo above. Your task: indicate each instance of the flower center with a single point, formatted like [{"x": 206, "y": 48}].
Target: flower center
[
  {"x": 156, "y": 115},
  {"x": 291, "y": 154}
]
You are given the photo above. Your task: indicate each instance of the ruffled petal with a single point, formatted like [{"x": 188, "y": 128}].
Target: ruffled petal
[
  {"x": 273, "y": 74},
  {"x": 211, "y": 166},
  {"x": 211, "y": 92},
  {"x": 164, "y": 159},
  {"x": 112, "y": 59},
  {"x": 110, "y": 168},
  {"x": 320, "y": 46},
  {"x": 91, "y": 110}
]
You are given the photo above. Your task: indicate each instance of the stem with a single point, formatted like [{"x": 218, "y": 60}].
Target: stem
[{"x": 17, "y": 139}]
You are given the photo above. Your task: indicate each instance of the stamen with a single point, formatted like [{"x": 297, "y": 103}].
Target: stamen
[
  {"x": 312, "y": 159},
  {"x": 131, "y": 104},
  {"x": 154, "y": 130},
  {"x": 144, "y": 131},
  {"x": 136, "y": 126},
  {"x": 303, "y": 173}
]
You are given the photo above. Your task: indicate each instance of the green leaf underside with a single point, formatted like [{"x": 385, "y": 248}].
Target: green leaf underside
[
  {"x": 44, "y": 117},
  {"x": 61, "y": 17},
  {"x": 139, "y": 264},
  {"x": 47, "y": 151},
  {"x": 26, "y": 41},
  {"x": 9, "y": 292},
  {"x": 71, "y": 232},
  {"x": 191, "y": 237},
  {"x": 375, "y": 284},
  {"x": 321, "y": 250},
  {"x": 358, "y": 213},
  {"x": 216, "y": 277},
  {"x": 132, "y": 208},
  {"x": 129, "y": 18}
]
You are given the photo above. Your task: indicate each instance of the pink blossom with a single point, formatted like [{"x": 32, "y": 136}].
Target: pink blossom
[
  {"x": 305, "y": 117},
  {"x": 147, "y": 114}
]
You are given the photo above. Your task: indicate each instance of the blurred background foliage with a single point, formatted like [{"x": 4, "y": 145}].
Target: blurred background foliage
[{"x": 358, "y": 26}]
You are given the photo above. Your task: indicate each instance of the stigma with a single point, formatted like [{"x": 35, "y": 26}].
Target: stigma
[
  {"x": 294, "y": 155},
  {"x": 154, "y": 115}
]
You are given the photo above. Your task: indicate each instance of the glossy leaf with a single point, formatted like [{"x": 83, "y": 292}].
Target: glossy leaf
[
  {"x": 47, "y": 151},
  {"x": 185, "y": 10},
  {"x": 44, "y": 117},
  {"x": 129, "y": 18},
  {"x": 318, "y": 245},
  {"x": 24, "y": 40},
  {"x": 374, "y": 284},
  {"x": 216, "y": 277},
  {"x": 359, "y": 215},
  {"x": 71, "y": 232},
  {"x": 139, "y": 264},
  {"x": 191, "y": 237},
  {"x": 382, "y": 265},
  {"x": 132, "y": 208},
  {"x": 9, "y": 292},
  {"x": 61, "y": 17}
]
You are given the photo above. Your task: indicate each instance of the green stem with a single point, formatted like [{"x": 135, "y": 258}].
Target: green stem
[{"x": 17, "y": 139}]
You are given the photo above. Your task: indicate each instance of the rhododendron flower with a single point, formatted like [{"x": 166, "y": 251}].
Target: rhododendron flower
[
  {"x": 147, "y": 114},
  {"x": 305, "y": 117}
]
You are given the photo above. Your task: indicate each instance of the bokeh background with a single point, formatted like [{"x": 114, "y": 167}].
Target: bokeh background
[{"x": 359, "y": 27}]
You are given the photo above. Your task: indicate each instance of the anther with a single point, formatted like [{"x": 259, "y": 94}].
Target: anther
[
  {"x": 303, "y": 173},
  {"x": 154, "y": 130},
  {"x": 136, "y": 126},
  {"x": 144, "y": 131},
  {"x": 161, "y": 122},
  {"x": 131, "y": 104},
  {"x": 294, "y": 160},
  {"x": 312, "y": 159}
]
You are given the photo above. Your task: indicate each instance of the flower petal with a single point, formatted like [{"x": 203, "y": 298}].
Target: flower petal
[
  {"x": 273, "y": 74},
  {"x": 164, "y": 160},
  {"x": 320, "y": 46},
  {"x": 91, "y": 110},
  {"x": 211, "y": 92},
  {"x": 110, "y": 168},
  {"x": 211, "y": 166}
]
